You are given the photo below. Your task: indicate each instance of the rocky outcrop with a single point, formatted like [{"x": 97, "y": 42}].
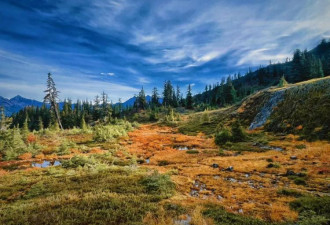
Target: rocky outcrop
[{"x": 267, "y": 109}]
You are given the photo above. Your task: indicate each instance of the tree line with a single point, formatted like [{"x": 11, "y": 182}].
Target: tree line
[{"x": 303, "y": 66}]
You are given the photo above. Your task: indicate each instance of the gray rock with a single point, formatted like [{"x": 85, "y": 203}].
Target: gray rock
[
  {"x": 230, "y": 169},
  {"x": 214, "y": 165},
  {"x": 267, "y": 109}
]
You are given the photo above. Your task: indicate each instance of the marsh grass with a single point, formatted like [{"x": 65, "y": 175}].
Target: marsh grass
[{"x": 114, "y": 195}]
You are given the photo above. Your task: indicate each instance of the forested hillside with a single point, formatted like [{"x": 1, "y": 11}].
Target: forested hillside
[{"x": 304, "y": 65}]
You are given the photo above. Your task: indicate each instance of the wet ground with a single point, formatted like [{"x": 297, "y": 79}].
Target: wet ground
[{"x": 243, "y": 183}]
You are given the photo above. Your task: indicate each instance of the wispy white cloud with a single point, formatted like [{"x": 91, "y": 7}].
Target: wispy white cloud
[
  {"x": 109, "y": 74},
  {"x": 146, "y": 42}
]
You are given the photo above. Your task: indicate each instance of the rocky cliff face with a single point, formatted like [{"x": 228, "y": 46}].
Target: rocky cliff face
[{"x": 267, "y": 109}]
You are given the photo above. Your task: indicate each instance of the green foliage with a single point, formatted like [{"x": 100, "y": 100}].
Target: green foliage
[
  {"x": 163, "y": 163},
  {"x": 237, "y": 134},
  {"x": 25, "y": 129},
  {"x": 64, "y": 148},
  {"x": 174, "y": 209},
  {"x": 305, "y": 105},
  {"x": 83, "y": 125},
  {"x": 312, "y": 210},
  {"x": 289, "y": 192},
  {"x": 158, "y": 184},
  {"x": 12, "y": 144},
  {"x": 206, "y": 117},
  {"x": 112, "y": 196},
  {"x": 2, "y": 118},
  {"x": 282, "y": 82},
  {"x": 299, "y": 180},
  {"x": 222, "y": 137},
  {"x": 192, "y": 151},
  {"x": 77, "y": 161},
  {"x": 237, "y": 131},
  {"x": 189, "y": 98},
  {"x": 36, "y": 190},
  {"x": 273, "y": 165},
  {"x": 111, "y": 132},
  {"x": 153, "y": 116},
  {"x": 301, "y": 146},
  {"x": 222, "y": 217}
]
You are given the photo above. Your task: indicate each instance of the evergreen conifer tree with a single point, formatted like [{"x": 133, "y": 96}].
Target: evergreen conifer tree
[
  {"x": 189, "y": 98},
  {"x": 51, "y": 98}
]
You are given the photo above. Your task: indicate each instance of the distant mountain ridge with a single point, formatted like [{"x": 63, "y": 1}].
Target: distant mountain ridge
[{"x": 18, "y": 102}]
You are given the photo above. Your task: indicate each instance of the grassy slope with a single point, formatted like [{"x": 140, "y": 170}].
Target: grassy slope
[
  {"x": 304, "y": 110},
  {"x": 305, "y": 104}
]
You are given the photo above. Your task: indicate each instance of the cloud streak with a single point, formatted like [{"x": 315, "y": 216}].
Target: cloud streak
[{"x": 128, "y": 43}]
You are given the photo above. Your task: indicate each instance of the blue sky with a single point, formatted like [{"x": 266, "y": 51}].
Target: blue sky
[{"x": 117, "y": 46}]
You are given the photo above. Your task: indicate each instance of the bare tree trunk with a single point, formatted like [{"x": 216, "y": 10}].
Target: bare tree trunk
[{"x": 57, "y": 116}]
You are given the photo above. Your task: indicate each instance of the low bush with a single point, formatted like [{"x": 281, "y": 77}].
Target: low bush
[
  {"x": 238, "y": 134},
  {"x": 78, "y": 160},
  {"x": 289, "y": 192},
  {"x": 302, "y": 146},
  {"x": 299, "y": 181},
  {"x": 111, "y": 132},
  {"x": 222, "y": 137},
  {"x": 64, "y": 148},
  {"x": 312, "y": 210},
  {"x": 163, "y": 163},
  {"x": 158, "y": 184},
  {"x": 222, "y": 217},
  {"x": 193, "y": 151},
  {"x": 12, "y": 144}
]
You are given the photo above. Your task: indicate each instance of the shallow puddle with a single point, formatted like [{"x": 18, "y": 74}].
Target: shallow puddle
[
  {"x": 45, "y": 164},
  {"x": 183, "y": 221},
  {"x": 181, "y": 148}
]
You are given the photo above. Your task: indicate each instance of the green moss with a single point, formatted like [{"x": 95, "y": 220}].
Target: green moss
[
  {"x": 312, "y": 210},
  {"x": 222, "y": 217},
  {"x": 192, "y": 151},
  {"x": 289, "y": 192}
]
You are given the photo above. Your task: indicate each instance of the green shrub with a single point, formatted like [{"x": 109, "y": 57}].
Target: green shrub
[
  {"x": 78, "y": 160},
  {"x": 221, "y": 152},
  {"x": 237, "y": 131},
  {"x": 302, "y": 146},
  {"x": 289, "y": 192},
  {"x": 63, "y": 149},
  {"x": 153, "y": 116},
  {"x": 273, "y": 165},
  {"x": 222, "y": 217},
  {"x": 299, "y": 181},
  {"x": 206, "y": 117},
  {"x": 34, "y": 148},
  {"x": 158, "y": 184},
  {"x": 163, "y": 163},
  {"x": 193, "y": 151},
  {"x": 36, "y": 190},
  {"x": 312, "y": 209},
  {"x": 174, "y": 209},
  {"x": 12, "y": 144},
  {"x": 111, "y": 132},
  {"x": 222, "y": 137}
]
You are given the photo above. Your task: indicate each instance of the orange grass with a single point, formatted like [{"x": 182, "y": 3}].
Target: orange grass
[{"x": 251, "y": 187}]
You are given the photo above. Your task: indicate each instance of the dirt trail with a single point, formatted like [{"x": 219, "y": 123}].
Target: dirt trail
[{"x": 249, "y": 187}]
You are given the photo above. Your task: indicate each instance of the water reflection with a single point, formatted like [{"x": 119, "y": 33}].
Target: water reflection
[{"x": 45, "y": 164}]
